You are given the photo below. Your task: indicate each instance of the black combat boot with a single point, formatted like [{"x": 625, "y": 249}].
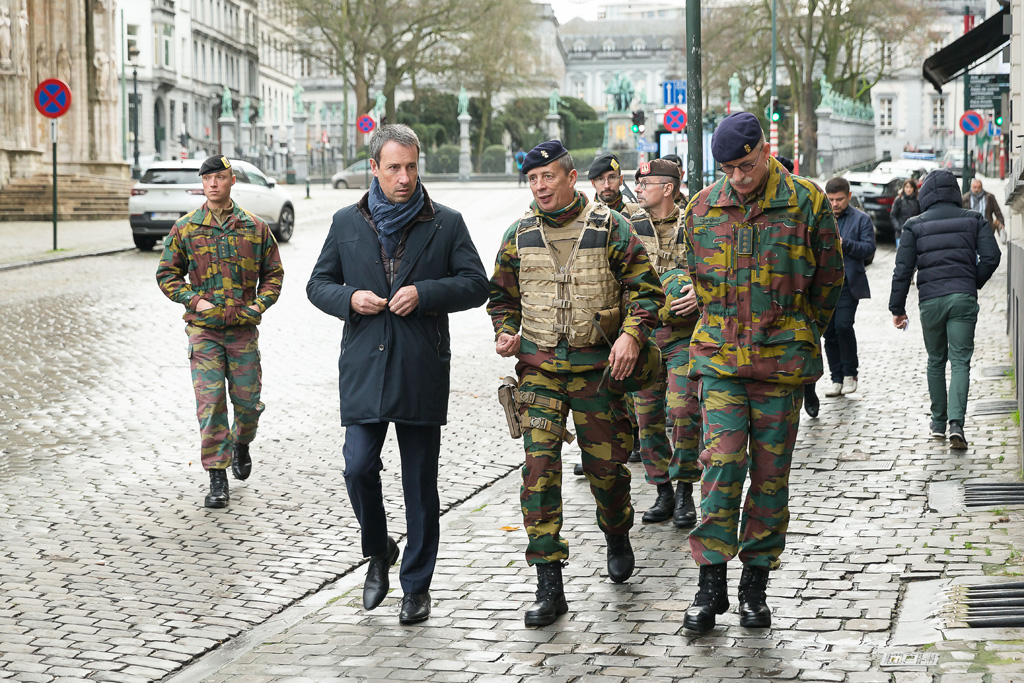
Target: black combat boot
[
  {"x": 218, "y": 495},
  {"x": 712, "y": 598},
  {"x": 685, "y": 514},
  {"x": 635, "y": 455},
  {"x": 550, "y": 596},
  {"x": 663, "y": 506},
  {"x": 241, "y": 462},
  {"x": 620, "y": 557},
  {"x": 754, "y": 612}
]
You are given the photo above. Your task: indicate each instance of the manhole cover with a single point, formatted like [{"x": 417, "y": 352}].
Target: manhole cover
[
  {"x": 993, "y": 407},
  {"x": 991, "y": 493},
  {"x": 866, "y": 465}
]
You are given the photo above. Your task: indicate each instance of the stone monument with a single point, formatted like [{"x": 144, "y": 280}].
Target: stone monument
[
  {"x": 300, "y": 152},
  {"x": 465, "y": 160},
  {"x": 227, "y": 124}
]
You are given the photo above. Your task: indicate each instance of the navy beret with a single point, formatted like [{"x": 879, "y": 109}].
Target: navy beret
[
  {"x": 543, "y": 154},
  {"x": 214, "y": 164},
  {"x": 736, "y": 137},
  {"x": 675, "y": 159},
  {"x": 603, "y": 164},
  {"x": 787, "y": 162},
  {"x": 659, "y": 167}
]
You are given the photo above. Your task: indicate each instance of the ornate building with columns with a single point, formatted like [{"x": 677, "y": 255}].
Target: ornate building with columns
[{"x": 76, "y": 41}]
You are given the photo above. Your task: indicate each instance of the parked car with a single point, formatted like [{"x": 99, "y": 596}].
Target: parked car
[
  {"x": 170, "y": 189},
  {"x": 953, "y": 159},
  {"x": 877, "y": 189},
  {"x": 357, "y": 176}
]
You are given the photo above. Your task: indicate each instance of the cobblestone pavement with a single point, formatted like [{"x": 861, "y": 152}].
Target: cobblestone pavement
[{"x": 112, "y": 571}]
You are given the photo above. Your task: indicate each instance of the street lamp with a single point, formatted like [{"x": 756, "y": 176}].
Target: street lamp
[{"x": 133, "y": 55}]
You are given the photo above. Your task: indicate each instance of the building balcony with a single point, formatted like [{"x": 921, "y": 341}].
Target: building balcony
[{"x": 163, "y": 10}]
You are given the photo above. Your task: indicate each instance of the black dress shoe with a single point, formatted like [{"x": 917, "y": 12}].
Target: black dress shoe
[
  {"x": 811, "y": 402},
  {"x": 754, "y": 612},
  {"x": 241, "y": 463},
  {"x": 218, "y": 496},
  {"x": 663, "y": 506},
  {"x": 375, "y": 588},
  {"x": 415, "y": 608},
  {"x": 577, "y": 469},
  {"x": 550, "y": 596},
  {"x": 621, "y": 560},
  {"x": 712, "y": 598},
  {"x": 685, "y": 514}
]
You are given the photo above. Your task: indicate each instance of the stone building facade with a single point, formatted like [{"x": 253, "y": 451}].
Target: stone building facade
[{"x": 75, "y": 41}]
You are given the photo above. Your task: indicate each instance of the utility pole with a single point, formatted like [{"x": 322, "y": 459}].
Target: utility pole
[
  {"x": 694, "y": 101},
  {"x": 968, "y": 170}
]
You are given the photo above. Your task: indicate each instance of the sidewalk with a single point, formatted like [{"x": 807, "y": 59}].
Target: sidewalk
[
  {"x": 868, "y": 529},
  {"x": 30, "y": 241}
]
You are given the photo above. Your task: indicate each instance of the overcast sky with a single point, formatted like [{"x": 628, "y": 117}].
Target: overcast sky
[{"x": 565, "y": 10}]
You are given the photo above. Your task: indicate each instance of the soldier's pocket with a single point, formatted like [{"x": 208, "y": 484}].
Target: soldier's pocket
[{"x": 211, "y": 317}]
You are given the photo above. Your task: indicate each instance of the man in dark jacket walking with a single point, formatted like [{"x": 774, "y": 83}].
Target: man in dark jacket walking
[
  {"x": 393, "y": 266},
  {"x": 984, "y": 202},
  {"x": 955, "y": 254},
  {"x": 858, "y": 236}
]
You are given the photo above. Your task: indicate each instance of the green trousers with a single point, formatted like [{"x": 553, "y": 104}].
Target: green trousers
[{"x": 948, "y": 323}]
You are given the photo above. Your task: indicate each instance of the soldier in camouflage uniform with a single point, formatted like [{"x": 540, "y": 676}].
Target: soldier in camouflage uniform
[
  {"x": 765, "y": 260},
  {"x": 233, "y": 269},
  {"x": 561, "y": 263},
  {"x": 659, "y": 226}
]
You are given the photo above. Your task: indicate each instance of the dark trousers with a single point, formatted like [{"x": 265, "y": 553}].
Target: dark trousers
[
  {"x": 840, "y": 341},
  {"x": 948, "y": 324},
  {"x": 420, "y": 448}
]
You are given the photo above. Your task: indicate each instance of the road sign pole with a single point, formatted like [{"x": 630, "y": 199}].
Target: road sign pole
[
  {"x": 967, "y": 105},
  {"x": 694, "y": 101},
  {"x": 53, "y": 139}
]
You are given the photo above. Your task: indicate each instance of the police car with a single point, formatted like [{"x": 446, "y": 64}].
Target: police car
[{"x": 170, "y": 189}]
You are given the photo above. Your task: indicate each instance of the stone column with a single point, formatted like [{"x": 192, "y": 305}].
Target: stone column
[
  {"x": 554, "y": 126},
  {"x": 422, "y": 162},
  {"x": 261, "y": 145},
  {"x": 825, "y": 142},
  {"x": 227, "y": 135},
  {"x": 245, "y": 139},
  {"x": 509, "y": 166},
  {"x": 465, "y": 160},
  {"x": 300, "y": 158}
]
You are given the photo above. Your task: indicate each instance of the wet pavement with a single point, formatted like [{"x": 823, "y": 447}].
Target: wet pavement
[{"x": 111, "y": 570}]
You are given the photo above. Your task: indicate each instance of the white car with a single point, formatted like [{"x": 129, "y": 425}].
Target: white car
[{"x": 170, "y": 189}]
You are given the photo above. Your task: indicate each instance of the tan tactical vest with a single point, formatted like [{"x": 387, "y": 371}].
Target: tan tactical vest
[
  {"x": 559, "y": 302},
  {"x": 665, "y": 253}
]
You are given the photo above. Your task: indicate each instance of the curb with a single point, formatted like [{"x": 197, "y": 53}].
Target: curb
[{"x": 63, "y": 257}]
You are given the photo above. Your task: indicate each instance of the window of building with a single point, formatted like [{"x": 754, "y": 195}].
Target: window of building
[
  {"x": 579, "y": 89},
  {"x": 885, "y": 109},
  {"x": 639, "y": 45},
  {"x": 608, "y": 46},
  {"x": 132, "y": 32},
  {"x": 939, "y": 112},
  {"x": 579, "y": 46},
  {"x": 667, "y": 44}
]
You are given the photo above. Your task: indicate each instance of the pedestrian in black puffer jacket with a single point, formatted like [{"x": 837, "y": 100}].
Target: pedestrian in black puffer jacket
[
  {"x": 904, "y": 208},
  {"x": 955, "y": 254}
]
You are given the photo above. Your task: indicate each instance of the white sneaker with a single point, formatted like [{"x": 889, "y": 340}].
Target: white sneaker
[
  {"x": 834, "y": 390},
  {"x": 849, "y": 385}
]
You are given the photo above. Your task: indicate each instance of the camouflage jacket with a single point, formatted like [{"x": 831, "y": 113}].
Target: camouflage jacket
[
  {"x": 629, "y": 263},
  {"x": 235, "y": 266},
  {"x": 767, "y": 276}
]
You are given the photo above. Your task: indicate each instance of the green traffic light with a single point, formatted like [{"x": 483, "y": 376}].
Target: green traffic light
[
  {"x": 776, "y": 116},
  {"x": 999, "y": 121},
  {"x": 635, "y": 128}
]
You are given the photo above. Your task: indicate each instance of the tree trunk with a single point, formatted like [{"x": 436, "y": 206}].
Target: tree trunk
[{"x": 485, "y": 118}]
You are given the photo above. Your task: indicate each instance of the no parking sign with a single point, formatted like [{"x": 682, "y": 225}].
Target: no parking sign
[{"x": 971, "y": 122}]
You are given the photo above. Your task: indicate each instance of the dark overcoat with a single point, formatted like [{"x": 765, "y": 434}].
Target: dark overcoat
[{"x": 396, "y": 368}]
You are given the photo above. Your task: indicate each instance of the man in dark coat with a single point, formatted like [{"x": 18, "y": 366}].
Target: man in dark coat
[
  {"x": 858, "y": 236},
  {"x": 984, "y": 202},
  {"x": 955, "y": 254},
  {"x": 393, "y": 266}
]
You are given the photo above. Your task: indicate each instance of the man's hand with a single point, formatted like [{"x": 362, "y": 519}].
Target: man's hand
[
  {"x": 685, "y": 304},
  {"x": 405, "y": 300},
  {"x": 203, "y": 305},
  {"x": 623, "y": 356},
  {"x": 900, "y": 321},
  {"x": 366, "y": 302},
  {"x": 507, "y": 344}
]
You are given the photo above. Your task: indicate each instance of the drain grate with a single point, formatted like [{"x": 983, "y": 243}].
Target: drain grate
[
  {"x": 995, "y": 372},
  {"x": 994, "y": 406},
  {"x": 866, "y": 465},
  {"x": 990, "y": 493},
  {"x": 991, "y": 606}
]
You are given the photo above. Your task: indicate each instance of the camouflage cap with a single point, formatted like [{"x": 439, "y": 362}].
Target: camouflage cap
[{"x": 214, "y": 164}]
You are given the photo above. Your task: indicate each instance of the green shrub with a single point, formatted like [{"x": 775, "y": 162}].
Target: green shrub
[
  {"x": 493, "y": 160},
  {"x": 444, "y": 160}
]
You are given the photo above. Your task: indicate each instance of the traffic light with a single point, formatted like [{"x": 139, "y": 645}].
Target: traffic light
[
  {"x": 776, "y": 110},
  {"x": 638, "y": 121},
  {"x": 999, "y": 113}
]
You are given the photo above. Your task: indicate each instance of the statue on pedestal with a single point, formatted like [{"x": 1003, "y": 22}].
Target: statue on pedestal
[
  {"x": 463, "y": 102},
  {"x": 297, "y": 98},
  {"x": 226, "y": 106},
  {"x": 246, "y": 107},
  {"x": 379, "y": 106},
  {"x": 621, "y": 91},
  {"x": 734, "y": 88},
  {"x": 554, "y": 100}
]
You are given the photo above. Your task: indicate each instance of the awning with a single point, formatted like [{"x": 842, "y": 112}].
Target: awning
[{"x": 952, "y": 60}]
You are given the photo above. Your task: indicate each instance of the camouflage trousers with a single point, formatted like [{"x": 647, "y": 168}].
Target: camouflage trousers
[
  {"x": 765, "y": 415},
  {"x": 679, "y": 461},
  {"x": 605, "y": 440},
  {"x": 228, "y": 358}
]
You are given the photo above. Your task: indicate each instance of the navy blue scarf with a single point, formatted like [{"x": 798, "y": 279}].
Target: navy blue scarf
[{"x": 389, "y": 218}]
